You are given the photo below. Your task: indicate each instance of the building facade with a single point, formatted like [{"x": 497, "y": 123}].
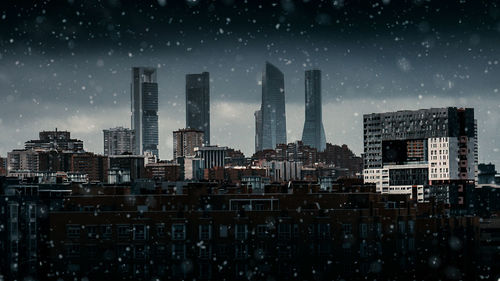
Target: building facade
[
  {"x": 273, "y": 131},
  {"x": 421, "y": 152},
  {"x": 198, "y": 103},
  {"x": 211, "y": 156},
  {"x": 144, "y": 95},
  {"x": 186, "y": 140},
  {"x": 118, "y": 141},
  {"x": 313, "y": 134}
]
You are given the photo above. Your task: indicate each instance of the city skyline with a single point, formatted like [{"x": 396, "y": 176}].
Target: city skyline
[{"x": 372, "y": 61}]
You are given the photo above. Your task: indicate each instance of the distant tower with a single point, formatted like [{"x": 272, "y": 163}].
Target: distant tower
[
  {"x": 313, "y": 133},
  {"x": 198, "y": 103},
  {"x": 258, "y": 130},
  {"x": 144, "y": 94},
  {"x": 118, "y": 141},
  {"x": 273, "y": 108}
]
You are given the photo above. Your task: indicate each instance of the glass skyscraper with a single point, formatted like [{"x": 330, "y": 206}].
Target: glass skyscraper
[
  {"x": 144, "y": 94},
  {"x": 272, "y": 111},
  {"x": 313, "y": 133},
  {"x": 198, "y": 103}
]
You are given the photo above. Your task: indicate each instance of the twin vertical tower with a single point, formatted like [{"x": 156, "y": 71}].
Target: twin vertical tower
[
  {"x": 144, "y": 96},
  {"x": 270, "y": 120}
]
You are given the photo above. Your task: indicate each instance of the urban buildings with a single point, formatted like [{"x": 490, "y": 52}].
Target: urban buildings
[
  {"x": 272, "y": 118},
  {"x": 144, "y": 95},
  {"x": 313, "y": 134},
  {"x": 425, "y": 153},
  {"x": 341, "y": 157},
  {"x": 118, "y": 141},
  {"x": 225, "y": 232},
  {"x": 185, "y": 141},
  {"x": 57, "y": 140},
  {"x": 198, "y": 103}
]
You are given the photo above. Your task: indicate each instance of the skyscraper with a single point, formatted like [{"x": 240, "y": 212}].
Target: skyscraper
[
  {"x": 198, "y": 103},
  {"x": 118, "y": 141},
  {"x": 273, "y": 108},
  {"x": 258, "y": 130},
  {"x": 185, "y": 141},
  {"x": 313, "y": 133},
  {"x": 144, "y": 94}
]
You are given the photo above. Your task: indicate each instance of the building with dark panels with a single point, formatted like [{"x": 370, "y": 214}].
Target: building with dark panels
[
  {"x": 198, "y": 103},
  {"x": 313, "y": 134},
  {"x": 208, "y": 231},
  {"x": 427, "y": 152},
  {"x": 118, "y": 141},
  {"x": 186, "y": 140},
  {"x": 273, "y": 131},
  {"x": 144, "y": 94}
]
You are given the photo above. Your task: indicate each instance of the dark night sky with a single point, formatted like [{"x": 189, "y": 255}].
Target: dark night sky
[{"x": 67, "y": 63}]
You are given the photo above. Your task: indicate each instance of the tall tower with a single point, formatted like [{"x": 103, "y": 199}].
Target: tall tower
[
  {"x": 273, "y": 108},
  {"x": 198, "y": 103},
  {"x": 313, "y": 133},
  {"x": 144, "y": 94}
]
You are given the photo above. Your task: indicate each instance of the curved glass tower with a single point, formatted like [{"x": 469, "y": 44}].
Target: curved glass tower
[
  {"x": 272, "y": 111},
  {"x": 313, "y": 134}
]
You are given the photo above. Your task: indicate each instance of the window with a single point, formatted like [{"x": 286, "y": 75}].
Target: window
[
  {"x": 347, "y": 228},
  {"x": 122, "y": 250},
  {"x": 223, "y": 231},
  {"x": 363, "y": 230},
  {"x": 241, "y": 232},
  {"x": 160, "y": 230},
  {"x": 323, "y": 230},
  {"x": 240, "y": 251},
  {"x": 72, "y": 250},
  {"x": 205, "y": 251},
  {"x": 402, "y": 227},
  {"x": 178, "y": 231},
  {"x": 140, "y": 232},
  {"x": 123, "y": 231},
  {"x": 205, "y": 271},
  {"x": 205, "y": 232},
  {"x": 411, "y": 226},
  {"x": 107, "y": 231},
  {"x": 92, "y": 251},
  {"x": 140, "y": 252},
  {"x": 178, "y": 251},
  {"x": 261, "y": 230},
  {"x": 73, "y": 231},
  {"x": 284, "y": 231},
  {"x": 92, "y": 231}
]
